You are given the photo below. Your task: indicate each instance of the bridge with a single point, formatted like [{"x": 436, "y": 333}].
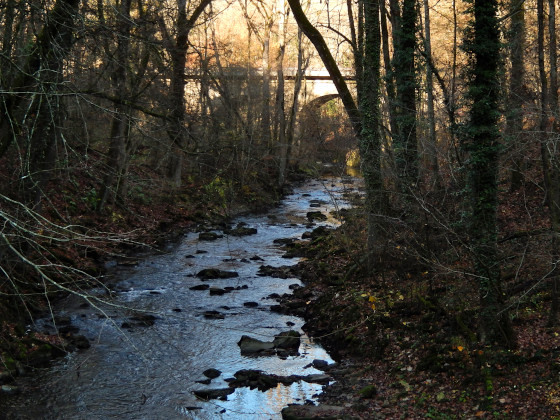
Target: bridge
[{"x": 317, "y": 85}]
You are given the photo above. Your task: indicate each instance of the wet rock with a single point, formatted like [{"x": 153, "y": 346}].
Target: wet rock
[
  {"x": 7, "y": 376},
  {"x": 252, "y": 379},
  {"x": 317, "y": 203},
  {"x": 317, "y": 378},
  {"x": 252, "y": 346},
  {"x": 320, "y": 364},
  {"x": 214, "y": 394},
  {"x": 315, "y": 216},
  {"x": 277, "y": 272},
  {"x": 200, "y": 287},
  {"x": 288, "y": 340},
  {"x": 213, "y": 315},
  {"x": 216, "y": 273},
  {"x": 250, "y": 304},
  {"x": 316, "y": 233},
  {"x": 60, "y": 320},
  {"x": 209, "y": 236},
  {"x": 240, "y": 230},
  {"x": 204, "y": 381},
  {"x": 273, "y": 296},
  {"x": 44, "y": 353},
  {"x": 201, "y": 251},
  {"x": 217, "y": 291},
  {"x": 212, "y": 373},
  {"x": 9, "y": 390},
  {"x": 189, "y": 256},
  {"x": 284, "y": 241},
  {"x": 68, "y": 329},
  {"x": 177, "y": 310},
  {"x": 256, "y": 258},
  {"x": 286, "y": 343},
  {"x": 143, "y": 320},
  {"x": 306, "y": 412},
  {"x": 79, "y": 341}
]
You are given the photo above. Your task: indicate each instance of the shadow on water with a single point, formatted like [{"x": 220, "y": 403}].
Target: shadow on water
[{"x": 152, "y": 341}]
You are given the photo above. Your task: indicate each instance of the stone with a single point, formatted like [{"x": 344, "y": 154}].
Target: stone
[
  {"x": 9, "y": 389},
  {"x": 240, "y": 230},
  {"x": 144, "y": 320},
  {"x": 209, "y": 236},
  {"x": 308, "y": 412},
  {"x": 249, "y": 345},
  {"x": 217, "y": 291},
  {"x": 213, "y": 315},
  {"x": 214, "y": 394},
  {"x": 288, "y": 340},
  {"x": 250, "y": 304},
  {"x": 315, "y": 215},
  {"x": 216, "y": 273},
  {"x": 317, "y": 378},
  {"x": 200, "y": 287},
  {"x": 212, "y": 373}
]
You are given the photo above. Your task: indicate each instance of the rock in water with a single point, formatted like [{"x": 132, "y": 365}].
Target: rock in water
[
  {"x": 288, "y": 340},
  {"x": 215, "y": 273},
  {"x": 212, "y": 373},
  {"x": 214, "y": 394},
  {"x": 249, "y": 345},
  {"x": 208, "y": 236}
]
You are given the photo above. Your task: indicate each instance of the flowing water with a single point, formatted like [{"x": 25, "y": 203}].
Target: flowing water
[{"x": 135, "y": 371}]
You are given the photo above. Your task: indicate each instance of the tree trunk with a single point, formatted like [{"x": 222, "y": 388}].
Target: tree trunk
[
  {"x": 280, "y": 99},
  {"x": 405, "y": 143},
  {"x": 45, "y": 59},
  {"x": 553, "y": 151},
  {"x": 178, "y": 53},
  {"x": 330, "y": 64},
  {"x": 514, "y": 116},
  {"x": 370, "y": 141},
  {"x": 389, "y": 76},
  {"x": 119, "y": 125},
  {"x": 483, "y": 145},
  {"x": 432, "y": 141}
]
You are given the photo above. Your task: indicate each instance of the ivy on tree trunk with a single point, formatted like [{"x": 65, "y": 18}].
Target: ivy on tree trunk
[{"x": 483, "y": 144}]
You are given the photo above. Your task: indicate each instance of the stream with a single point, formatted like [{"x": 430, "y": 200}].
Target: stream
[{"x": 154, "y": 337}]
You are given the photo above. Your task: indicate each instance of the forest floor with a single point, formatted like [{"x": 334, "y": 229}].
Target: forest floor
[{"x": 404, "y": 333}]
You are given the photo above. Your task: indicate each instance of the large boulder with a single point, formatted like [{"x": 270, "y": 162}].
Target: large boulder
[
  {"x": 288, "y": 340},
  {"x": 253, "y": 346},
  {"x": 284, "y": 343}
]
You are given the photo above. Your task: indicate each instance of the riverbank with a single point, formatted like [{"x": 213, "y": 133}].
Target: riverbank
[{"x": 404, "y": 336}]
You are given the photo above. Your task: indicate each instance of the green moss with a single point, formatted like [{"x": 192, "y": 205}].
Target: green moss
[{"x": 369, "y": 391}]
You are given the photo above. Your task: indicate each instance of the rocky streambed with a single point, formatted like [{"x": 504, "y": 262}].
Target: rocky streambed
[{"x": 197, "y": 332}]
